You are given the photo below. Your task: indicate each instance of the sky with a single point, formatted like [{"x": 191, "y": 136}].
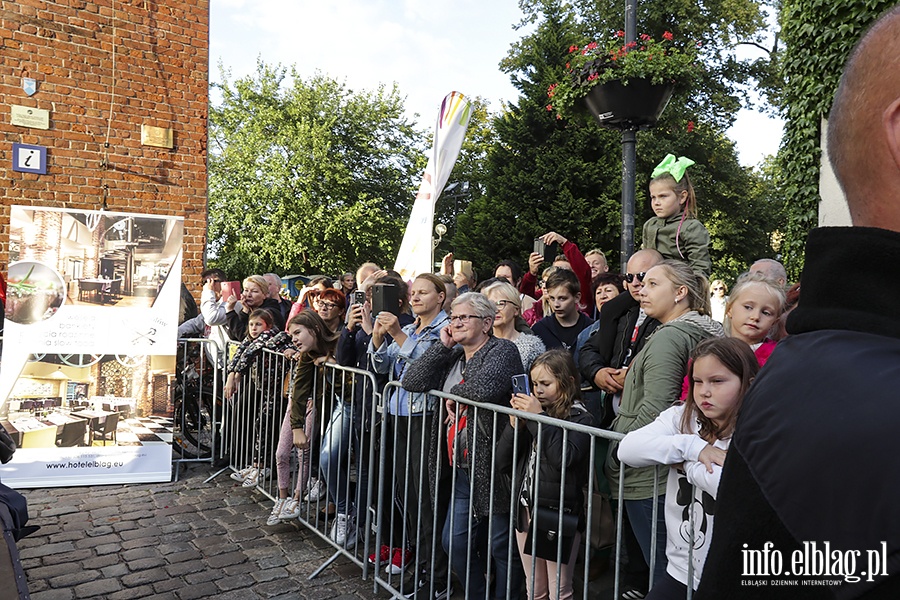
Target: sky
[{"x": 428, "y": 47}]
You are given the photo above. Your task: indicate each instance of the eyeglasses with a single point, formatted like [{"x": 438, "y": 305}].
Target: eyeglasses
[
  {"x": 323, "y": 304},
  {"x": 629, "y": 277},
  {"x": 505, "y": 303},
  {"x": 718, "y": 289},
  {"x": 463, "y": 319}
]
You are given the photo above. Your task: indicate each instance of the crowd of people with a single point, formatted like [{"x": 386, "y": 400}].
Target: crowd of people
[{"x": 656, "y": 353}]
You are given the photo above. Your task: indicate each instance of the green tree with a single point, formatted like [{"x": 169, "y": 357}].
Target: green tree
[
  {"x": 548, "y": 174},
  {"x": 305, "y": 175}
]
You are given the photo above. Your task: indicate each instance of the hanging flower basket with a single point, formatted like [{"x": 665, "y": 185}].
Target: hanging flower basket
[
  {"x": 632, "y": 104},
  {"x": 642, "y": 73}
]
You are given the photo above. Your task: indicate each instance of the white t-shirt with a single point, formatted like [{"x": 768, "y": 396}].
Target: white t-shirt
[{"x": 661, "y": 442}]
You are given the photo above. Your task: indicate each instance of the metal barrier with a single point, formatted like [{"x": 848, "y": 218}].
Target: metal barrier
[
  {"x": 500, "y": 522},
  {"x": 340, "y": 455},
  {"x": 394, "y": 490},
  {"x": 196, "y": 398}
]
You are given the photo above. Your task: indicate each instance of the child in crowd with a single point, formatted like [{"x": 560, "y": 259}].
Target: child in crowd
[
  {"x": 675, "y": 231},
  {"x": 560, "y": 329},
  {"x": 244, "y": 364},
  {"x": 751, "y": 315},
  {"x": 693, "y": 439},
  {"x": 315, "y": 345},
  {"x": 539, "y": 474}
]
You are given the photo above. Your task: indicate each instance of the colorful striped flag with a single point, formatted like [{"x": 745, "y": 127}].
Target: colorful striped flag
[{"x": 416, "y": 253}]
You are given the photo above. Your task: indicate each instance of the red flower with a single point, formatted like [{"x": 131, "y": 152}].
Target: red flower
[
  {"x": 668, "y": 36},
  {"x": 567, "y": 66},
  {"x": 573, "y": 48},
  {"x": 593, "y": 76},
  {"x": 550, "y": 107},
  {"x": 644, "y": 37},
  {"x": 591, "y": 46},
  {"x": 559, "y": 117},
  {"x": 550, "y": 90},
  {"x": 631, "y": 45},
  {"x": 620, "y": 33},
  {"x": 690, "y": 126}
]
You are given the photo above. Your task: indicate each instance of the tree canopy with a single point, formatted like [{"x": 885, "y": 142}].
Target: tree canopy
[
  {"x": 565, "y": 175},
  {"x": 307, "y": 176}
]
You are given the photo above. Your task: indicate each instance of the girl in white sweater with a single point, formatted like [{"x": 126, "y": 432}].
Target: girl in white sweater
[{"x": 692, "y": 438}]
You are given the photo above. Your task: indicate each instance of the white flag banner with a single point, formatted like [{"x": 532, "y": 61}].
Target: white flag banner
[{"x": 416, "y": 253}]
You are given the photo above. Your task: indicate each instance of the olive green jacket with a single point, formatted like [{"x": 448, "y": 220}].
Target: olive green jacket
[
  {"x": 693, "y": 241},
  {"x": 652, "y": 385}
]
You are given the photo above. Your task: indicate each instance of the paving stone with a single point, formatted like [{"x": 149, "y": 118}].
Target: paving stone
[
  {"x": 65, "y": 594},
  {"x": 73, "y": 579},
  {"x": 101, "y": 587},
  {"x": 144, "y": 577},
  {"x": 200, "y": 590}
]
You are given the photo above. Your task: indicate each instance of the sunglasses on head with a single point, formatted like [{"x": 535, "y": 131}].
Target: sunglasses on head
[{"x": 630, "y": 277}]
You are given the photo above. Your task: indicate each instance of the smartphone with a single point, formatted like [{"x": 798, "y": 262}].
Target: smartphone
[
  {"x": 359, "y": 297},
  {"x": 385, "y": 298},
  {"x": 548, "y": 252},
  {"x": 521, "y": 385},
  {"x": 231, "y": 288}
]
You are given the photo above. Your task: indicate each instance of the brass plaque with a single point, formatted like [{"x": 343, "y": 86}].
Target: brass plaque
[
  {"x": 161, "y": 137},
  {"x": 26, "y": 116}
]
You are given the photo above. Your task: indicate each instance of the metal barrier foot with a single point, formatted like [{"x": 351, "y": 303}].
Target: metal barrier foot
[
  {"x": 214, "y": 475},
  {"x": 324, "y": 565}
]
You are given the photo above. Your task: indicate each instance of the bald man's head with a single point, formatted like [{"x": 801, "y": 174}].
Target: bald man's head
[{"x": 859, "y": 131}]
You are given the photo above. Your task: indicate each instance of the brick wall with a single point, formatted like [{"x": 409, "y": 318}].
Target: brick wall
[{"x": 103, "y": 69}]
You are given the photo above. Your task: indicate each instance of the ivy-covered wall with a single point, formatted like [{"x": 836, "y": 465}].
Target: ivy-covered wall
[{"x": 818, "y": 36}]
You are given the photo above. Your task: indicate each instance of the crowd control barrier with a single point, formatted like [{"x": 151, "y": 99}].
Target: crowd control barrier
[{"x": 413, "y": 523}]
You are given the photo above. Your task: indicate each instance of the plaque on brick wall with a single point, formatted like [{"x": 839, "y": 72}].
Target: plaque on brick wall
[
  {"x": 27, "y": 116},
  {"x": 161, "y": 137}
]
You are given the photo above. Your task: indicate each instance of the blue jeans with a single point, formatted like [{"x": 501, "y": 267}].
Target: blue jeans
[
  {"x": 640, "y": 515},
  {"x": 462, "y": 534},
  {"x": 343, "y": 436}
]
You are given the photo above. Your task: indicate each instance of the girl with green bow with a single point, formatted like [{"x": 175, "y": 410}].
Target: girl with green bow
[{"x": 675, "y": 231}]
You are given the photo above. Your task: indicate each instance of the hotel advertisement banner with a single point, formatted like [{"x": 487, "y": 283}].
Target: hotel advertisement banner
[{"x": 89, "y": 345}]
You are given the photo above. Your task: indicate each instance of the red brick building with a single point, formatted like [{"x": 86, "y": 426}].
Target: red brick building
[{"x": 106, "y": 70}]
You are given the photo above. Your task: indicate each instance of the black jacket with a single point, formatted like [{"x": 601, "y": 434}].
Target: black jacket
[
  {"x": 237, "y": 320},
  {"x": 814, "y": 458},
  {"x": 608, "y": 346},
  {"x": 550, "y": 462}
]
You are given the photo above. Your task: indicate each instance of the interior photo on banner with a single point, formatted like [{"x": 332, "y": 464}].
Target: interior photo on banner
[{"x": 89, "y": 346}]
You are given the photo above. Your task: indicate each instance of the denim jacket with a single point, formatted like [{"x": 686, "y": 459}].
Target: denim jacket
[{"x": 393, "y": 359}]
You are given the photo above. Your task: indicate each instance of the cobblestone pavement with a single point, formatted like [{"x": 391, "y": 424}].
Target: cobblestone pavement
[
  {"x": 183, "y": 540},
  {"x": 180, "y": 540}
]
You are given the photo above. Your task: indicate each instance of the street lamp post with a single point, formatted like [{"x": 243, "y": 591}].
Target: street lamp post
[{"x": 629, "y": 154}]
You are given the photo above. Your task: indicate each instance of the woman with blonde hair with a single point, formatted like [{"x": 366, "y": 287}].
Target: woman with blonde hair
[{"x": 506, "y": 298}]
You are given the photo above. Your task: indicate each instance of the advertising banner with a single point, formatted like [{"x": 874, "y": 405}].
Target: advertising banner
[
  {"x": 89, "y": 346},
  {"x": 416, "y": 250}
]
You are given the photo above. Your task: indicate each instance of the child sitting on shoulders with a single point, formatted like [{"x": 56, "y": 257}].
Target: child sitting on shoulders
[{"x": 675, "y": 231}]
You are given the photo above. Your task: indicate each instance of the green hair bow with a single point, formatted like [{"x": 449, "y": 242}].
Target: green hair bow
[{"x": 673, "y": 166}]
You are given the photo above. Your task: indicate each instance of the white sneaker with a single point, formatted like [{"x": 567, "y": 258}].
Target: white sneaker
[
  {"x": 343, "y": 530},
  {"x": 315, "y": 491},
  {"x": 275, "y": 515},
  {"x": 290, "y": 509},
  {"x": 242, "y": 474},
  {"x": 253, "y": 477}
]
